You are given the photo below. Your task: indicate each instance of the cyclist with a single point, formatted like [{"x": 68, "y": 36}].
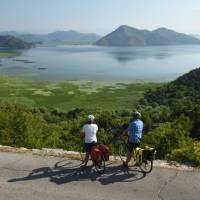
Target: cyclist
[
  {"x": 89, "y": 132},
  {"x": 134, "y": 135}
]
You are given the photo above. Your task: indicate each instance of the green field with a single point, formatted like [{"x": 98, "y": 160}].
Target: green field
[{"x": 67, "y": 95}]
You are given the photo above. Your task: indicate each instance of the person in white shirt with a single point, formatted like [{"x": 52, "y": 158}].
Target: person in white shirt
[{"x": 89, "y": 132}]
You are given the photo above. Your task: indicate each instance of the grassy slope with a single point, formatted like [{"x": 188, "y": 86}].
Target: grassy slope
[{"x": 72, "y": 94}]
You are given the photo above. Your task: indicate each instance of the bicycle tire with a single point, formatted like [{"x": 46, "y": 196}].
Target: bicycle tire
[
  {"x": 146, "y": 166},
  {"x": 100, "y": 166}
]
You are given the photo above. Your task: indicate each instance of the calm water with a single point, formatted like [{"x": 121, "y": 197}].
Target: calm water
[{"x": 162, "y": 63}]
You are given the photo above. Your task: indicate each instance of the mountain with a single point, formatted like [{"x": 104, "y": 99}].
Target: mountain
[
  {"x": 12, "y": 33},
  {"x": 32, "y": 38},
  {"x": 196, "y": 36},
  {"x": 12, "y": 42},
  {"x": 128, "y": 36},
  {"x": 56, "y": 37},
  {"x": 72, "y": 36}
]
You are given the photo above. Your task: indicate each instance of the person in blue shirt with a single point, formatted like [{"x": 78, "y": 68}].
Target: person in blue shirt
[{"x": 134, "y": 131}]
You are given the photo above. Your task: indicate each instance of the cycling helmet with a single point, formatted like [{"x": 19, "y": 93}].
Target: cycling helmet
[
  {"x": 137, "y": 114},
  {"x": 90, "y": 118}
]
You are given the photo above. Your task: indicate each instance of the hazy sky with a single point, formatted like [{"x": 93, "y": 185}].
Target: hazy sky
[{"x": 100, "y": 16}]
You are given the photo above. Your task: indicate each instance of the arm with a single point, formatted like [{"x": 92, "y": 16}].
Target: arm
[
  {"x": 127, "y": 130},
  {"x": 82, "y": 134}
]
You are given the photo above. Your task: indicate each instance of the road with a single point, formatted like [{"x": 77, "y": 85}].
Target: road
[{"x": 30, "y": 177}]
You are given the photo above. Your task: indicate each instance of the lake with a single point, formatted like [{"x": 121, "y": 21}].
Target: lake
[{"x": 155, "y": 63}]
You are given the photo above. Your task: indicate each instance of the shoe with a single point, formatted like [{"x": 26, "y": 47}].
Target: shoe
[
  {"x": 125, "y": 165},
  {"x": 83, "y": 167}
]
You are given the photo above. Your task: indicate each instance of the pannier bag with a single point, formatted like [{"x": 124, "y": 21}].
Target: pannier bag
[
  {"x": 139, "y": 155},
  {"x": 95, "y": 154},
  {"x": 149, "y": 153},
  {"x": 105, "y": 151}
]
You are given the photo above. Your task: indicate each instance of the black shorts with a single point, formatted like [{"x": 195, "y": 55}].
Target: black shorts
[
  {"x": 132, "y": 146},
  {"x": 88, "y": 146}
]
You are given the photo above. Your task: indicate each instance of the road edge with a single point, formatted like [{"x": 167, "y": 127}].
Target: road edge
[{"x": 76, "y": 155}]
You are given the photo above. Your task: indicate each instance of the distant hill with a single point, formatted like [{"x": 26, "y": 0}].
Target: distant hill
[
  {"x": 128, "y": 36},
  {"x": 60, "y": 37},
  {"x": 32, "y": 38},
  {"x": 72, "y": 36},
  {"x": 182, "y": 96},
  {"x": 12, "y": 33},
  {"x": 186, "y": 87},
  {"x": 196, "y": 36},
  {"x": 12, "y": 42}
]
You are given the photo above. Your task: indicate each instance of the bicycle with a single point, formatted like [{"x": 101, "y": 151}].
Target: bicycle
[
  {"x": 143, "y": 157},
  {"x": 99, "y": 163}
]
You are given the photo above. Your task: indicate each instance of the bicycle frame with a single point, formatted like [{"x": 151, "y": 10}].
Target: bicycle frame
[{"x": 138, "y": 155}]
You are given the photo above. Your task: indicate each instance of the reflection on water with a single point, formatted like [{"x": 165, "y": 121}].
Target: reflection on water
[
  {"x": 160, "y": 63},
  {"x": 126, "y": 56}
]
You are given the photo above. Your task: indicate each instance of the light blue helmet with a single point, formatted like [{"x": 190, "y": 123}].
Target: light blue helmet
[{"x": 90, "y": 118}]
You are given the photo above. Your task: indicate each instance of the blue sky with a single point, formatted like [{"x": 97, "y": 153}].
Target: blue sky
[{"x": 100, "y": 16}]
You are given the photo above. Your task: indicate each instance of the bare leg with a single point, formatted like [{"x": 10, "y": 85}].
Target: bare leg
[
  {"x": 128, "y": 158},
  {"x": 86, "y": 158}
]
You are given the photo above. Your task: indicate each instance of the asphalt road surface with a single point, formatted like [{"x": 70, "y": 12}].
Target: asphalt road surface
[{"x": 27, "y": 177}]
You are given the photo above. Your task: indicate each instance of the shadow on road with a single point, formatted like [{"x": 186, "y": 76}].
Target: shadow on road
[{"x": 69, "y": 170}]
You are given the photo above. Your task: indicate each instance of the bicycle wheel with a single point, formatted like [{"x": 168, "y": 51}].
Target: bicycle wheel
[
  {"x": 100, "y": 165},
  {"x": 122, "y": 148},
  {"x": 146, "y": 166}
]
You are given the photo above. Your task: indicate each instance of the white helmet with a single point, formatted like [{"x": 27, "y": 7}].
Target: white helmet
[
  {"x": 90, "y": 118},
  {"x": 137, "y": 114}
]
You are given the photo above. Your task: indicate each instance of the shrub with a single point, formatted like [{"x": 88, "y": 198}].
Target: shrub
[
  {"x": 186, "y": 155},
  {"x": 166, "y": 137}
]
